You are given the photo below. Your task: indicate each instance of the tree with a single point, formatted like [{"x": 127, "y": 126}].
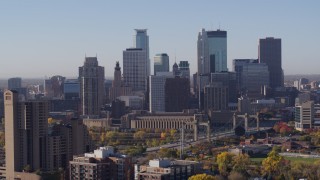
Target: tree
[
  {"x": 224, "y": 161},
  {"x": 202, "y": 177},
  {"x": 167, "y": 153},
  {"x": 139, "y": 135},
  {"x": 272, "y": 164},
  {"x": 241, "y": 163}
]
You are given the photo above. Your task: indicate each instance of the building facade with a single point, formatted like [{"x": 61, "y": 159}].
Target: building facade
[
  {"x": 251, "y": 76},
  {"x": 118, "y": 89},
  {"x": 141, "y": 40},
  {"x": 270, "y": 53},
  {"x": 71, "y": 89},
  {"x": 184, "y": 69},
  {"x": 102, "y": 164},
  {"x": 212, "y": 51},
  {"x": 135, "y": 68},
  {"x": 161, "y": 63},
  {"x": 157, "y": 91},
  {"x": 26, "y": 126},
  {"x": 177, "y": 94},
  {"x": 14, "y": 83},
  {"x": 92, "y": 93}
]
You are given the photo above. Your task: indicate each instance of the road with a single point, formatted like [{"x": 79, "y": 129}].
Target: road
[{"x": 187, "y": 144}]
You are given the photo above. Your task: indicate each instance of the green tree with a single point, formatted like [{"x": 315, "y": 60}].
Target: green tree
[
  {"x": 234, "y": 175},
  {"x": 167, "y": 153},
  {"x": 202, "y": 177}
]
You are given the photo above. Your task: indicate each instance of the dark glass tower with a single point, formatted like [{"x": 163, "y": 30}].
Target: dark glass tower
[{"x": 270, "y": 53}]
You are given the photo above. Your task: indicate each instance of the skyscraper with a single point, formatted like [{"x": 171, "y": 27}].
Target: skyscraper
[
  {"x": 270, "y": 53},
  {"x": 212, "y": 51},
  {"x": 135, "y": 68},
  {"x": 161, "y": 63},
  {"x": 251, "y": 76},
  {"x": 157, "y": 91},
  {"x": 14, "y": 83},
  {"x": 92, "y": 93},
  {"x": 184, "y": 69},
  {"x": 26, "y": 126},
  {"x": 141, "y": 40},
  {"x": 177, "y": 94}
]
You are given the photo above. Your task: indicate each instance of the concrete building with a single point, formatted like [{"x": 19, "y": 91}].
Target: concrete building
[
  {"x": 184, "y": 69},
  {"x": 304, "y": 115},
  {"x": 132, "y": 102},
  {"x": 92, "y": 93},
  {"x": 157, "y": 91},
  {"x": 177, "y": 94},
  {"x": 102, "y": 164},
  {"x": 251, "y": 76},
  {"x": 118, "y": 89},
  {"x": 164, "y": 169},
  {"x": 212, "y": 51},
  {"x": 26, "y": 126},
  {"x": 216, "y": 97},
  {"x": 227, "y": 79},
  {"x": 161, "y": 63},
  {"x": 135, "y": 68},
  {"x": 162, "y": 120},
  {"x": 53, "y": 87},
  {"x": 71, "y": 89},
  {"x": 270, "y": 53}
]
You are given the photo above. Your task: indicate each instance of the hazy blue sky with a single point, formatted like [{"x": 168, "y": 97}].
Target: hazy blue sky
[{"x": 46, "y": 38}]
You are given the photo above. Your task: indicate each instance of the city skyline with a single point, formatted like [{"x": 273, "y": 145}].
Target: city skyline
[{"x": 40, "y": 39}]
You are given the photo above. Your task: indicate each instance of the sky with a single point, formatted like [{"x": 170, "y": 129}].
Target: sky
[{"x": 41, "y": 39}]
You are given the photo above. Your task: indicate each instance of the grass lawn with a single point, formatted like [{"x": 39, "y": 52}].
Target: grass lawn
[{"x": 292, "y": 159}]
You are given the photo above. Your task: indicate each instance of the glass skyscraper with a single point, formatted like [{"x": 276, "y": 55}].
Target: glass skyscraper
[
  {"x": 212, "y": 51},
  {"x": 161, "y": 63},
  {"x": 141, "y": 40}
]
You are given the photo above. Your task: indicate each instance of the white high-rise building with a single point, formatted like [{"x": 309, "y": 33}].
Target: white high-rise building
[
  {"x": 212, "y": 51},
  {"x": 157, "y": 91},
  {"x": 141, "y": 40},
  {"x": 135, "y": 68}
]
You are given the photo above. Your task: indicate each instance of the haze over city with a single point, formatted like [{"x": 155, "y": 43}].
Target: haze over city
[{"x": 41, "y": 39}]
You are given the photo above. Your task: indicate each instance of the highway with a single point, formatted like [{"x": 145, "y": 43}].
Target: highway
[{"x": 188, "y": 143}]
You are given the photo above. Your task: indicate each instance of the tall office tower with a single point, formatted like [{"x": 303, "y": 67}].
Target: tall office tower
[
  {"x": 270, "y": 53},
  {"x": 251, "y": 76},
  {"x": 14, "y": 83},
  {"x": 1, "y": 104},
  {"x": 177, "y": 94},
  {"x": 117, "y": 89},
  {"x": 212, "y": 51},
  {"x": 184, "y": 69},
  {"x": 141, "y": 40},
  {"x": 216, "y": 97},
  {"x": 26, "y": 126},
  {"x": 227, "y": 79},
  {"x": 53, "y": 87},
  {"x": 175, "y": 70},
  {"x": 92, "y": 93},
  {"x": 71, "y": 89},
  {"x": 135, "y": 68},
  {"x": 157, "y": 91},
  {"x": 161, "y": 63}
]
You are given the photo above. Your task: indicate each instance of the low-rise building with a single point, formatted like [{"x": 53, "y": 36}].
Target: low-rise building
[
  {"x": 164, "y": 169},
  {"x": 102, "y": 164}
]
